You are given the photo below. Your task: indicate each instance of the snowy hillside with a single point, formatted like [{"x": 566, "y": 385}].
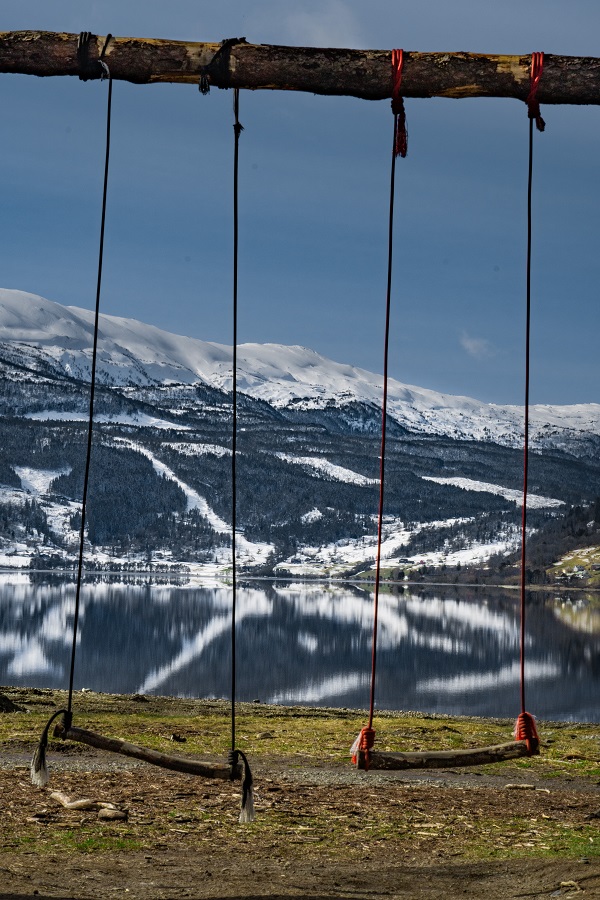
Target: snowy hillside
[
  {"x": 307, "y": 456},
  {"x": 35, "y": 331}
]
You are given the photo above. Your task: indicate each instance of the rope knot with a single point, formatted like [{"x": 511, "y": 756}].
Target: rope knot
[
  {"x": 533, "y": 104},
  {"x": 86, "y": 65},
  {"x": 525, "y": 730},
  {"x": 363, "y": 744},
  {"x": 218, "y": 67},
  {"x": 400, "y": 133}
]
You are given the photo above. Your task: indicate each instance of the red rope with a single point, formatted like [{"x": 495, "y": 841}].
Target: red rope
[
  {"x": 400, "y": 134},
  {"x": 363, "y": 743},
  {"x": 366, "y": 739},
  {"x": 525, "y": 730},
  {"x": 533, "y": 104}
]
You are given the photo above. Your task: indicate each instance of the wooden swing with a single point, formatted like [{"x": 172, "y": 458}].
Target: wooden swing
[
  {"x": 370, "y": 81},
  {"x": 237, "y": 767},
  {"x": 66, "y": 731},
  {"x": 526, "y": 741}
]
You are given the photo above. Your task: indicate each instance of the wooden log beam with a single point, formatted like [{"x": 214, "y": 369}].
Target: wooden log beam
[
  {"x": 164, "y": 760},
  {"x": 442, "y": 759},
  {"x": 356, "y": 73}
]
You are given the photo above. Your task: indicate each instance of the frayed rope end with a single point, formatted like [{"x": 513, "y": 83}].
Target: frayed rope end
[
  {"x": 39, "y": 767},
  {"x": 247, "y": 811},
  {"x": 400, "y": 130}
]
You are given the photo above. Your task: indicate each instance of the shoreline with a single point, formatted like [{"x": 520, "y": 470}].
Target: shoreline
[{"x": 359, "y": 583}]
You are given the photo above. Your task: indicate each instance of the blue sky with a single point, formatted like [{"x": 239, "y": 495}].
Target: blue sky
[{"x": 314, "y": 191}]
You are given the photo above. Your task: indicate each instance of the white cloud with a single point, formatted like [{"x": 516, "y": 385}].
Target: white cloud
[
  {"x": 478, "y": 348},
  {"x": 324, "y": 24}
]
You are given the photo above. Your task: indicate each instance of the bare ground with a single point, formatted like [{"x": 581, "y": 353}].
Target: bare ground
[{"x": 322, "y": 830}]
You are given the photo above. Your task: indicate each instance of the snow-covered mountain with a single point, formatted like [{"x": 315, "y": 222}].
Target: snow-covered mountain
[
  {"x": 36, "y": 332},
  {"x": 308, "y": 449}
]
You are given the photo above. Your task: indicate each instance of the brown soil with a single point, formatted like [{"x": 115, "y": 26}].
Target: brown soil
[{"x": 322, "y": 830}]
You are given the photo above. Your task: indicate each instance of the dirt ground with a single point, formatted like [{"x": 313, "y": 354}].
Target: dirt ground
[{"x": 322, "y": 830}]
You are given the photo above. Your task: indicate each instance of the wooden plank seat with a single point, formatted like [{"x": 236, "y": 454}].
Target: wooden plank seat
[{"x": 442, "y": 759}]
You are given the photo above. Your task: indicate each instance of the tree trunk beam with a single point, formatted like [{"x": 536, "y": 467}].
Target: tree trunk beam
[
  {"x": 443, "y": 759},
  {"x": 357, "y": 73},
  {"x": 164, "y": 760}
]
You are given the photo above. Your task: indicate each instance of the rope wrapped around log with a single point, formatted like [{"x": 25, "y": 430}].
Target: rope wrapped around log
[{"x": 317, "y": 70}]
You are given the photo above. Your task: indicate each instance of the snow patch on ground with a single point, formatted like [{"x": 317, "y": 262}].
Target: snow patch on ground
[
  {"x": 13, "y": 496},
  {"x": 313, "y": 516},
  {"x": 38, "y": 481},
  {"x": 59, "y": 517},
  {"x": 476, "y": 554},
  {"x": 138, "y": 419},
  {"x": 248, "y": 551},
  {"x": 337, "y": 558},
  {"x": 534, "y": 501},
  {"x": 336, "y": 473},
  {"x": 18, "y": 557},
  {"x": 189, "y": 449},
  {"x": 330, "y": 560}
]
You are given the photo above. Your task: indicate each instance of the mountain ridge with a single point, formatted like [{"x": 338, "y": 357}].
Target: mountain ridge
[
  {"x": 308, "y": 456},
  {"x": 132, "y": 353}
]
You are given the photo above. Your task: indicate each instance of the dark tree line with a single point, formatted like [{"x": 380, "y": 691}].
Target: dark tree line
[{"x": 132, "y": 507}]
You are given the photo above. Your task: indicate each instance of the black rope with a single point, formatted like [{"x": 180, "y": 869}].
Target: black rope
[
  {"x": 247, "y": 810},
  {"x": 83, "y": 53},
  {"x": 386, "y": 353},
  {"x": 237, "y": 128},
  {"x": 219, "y": 64},
  {"x": 39, "y": 768},
  {"x": 87, "y": 67},
  {"x": 86, "y": 476}
]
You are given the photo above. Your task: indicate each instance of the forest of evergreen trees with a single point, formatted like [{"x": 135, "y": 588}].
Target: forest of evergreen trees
[{"x": 131, "y": 507}]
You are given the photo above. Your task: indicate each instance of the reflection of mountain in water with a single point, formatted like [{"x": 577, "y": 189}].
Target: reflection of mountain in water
[{"x": 305, "y": 644}]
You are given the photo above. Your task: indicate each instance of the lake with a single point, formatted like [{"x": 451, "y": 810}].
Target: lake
[{"x": 444, "y": 650}]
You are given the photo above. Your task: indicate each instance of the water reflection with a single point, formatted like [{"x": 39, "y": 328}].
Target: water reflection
[{"x": 454, "y": 652}]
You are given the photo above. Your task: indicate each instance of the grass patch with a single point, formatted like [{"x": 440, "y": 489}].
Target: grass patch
[
  {"x": 300, "y": 812},
  {"x": 81, "y": 842},
  {"x": 538, "y": 838},
  {"x": 567, "y": 749}
]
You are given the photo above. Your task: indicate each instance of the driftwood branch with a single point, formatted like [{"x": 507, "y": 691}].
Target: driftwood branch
[
  {"x": 85, "y": 804},
  {"x": 164, "y": 760},
  {"x": 442, "y": 759},
  {"x": 355, "y": 73},
  {"x": 106, "y": 811}
]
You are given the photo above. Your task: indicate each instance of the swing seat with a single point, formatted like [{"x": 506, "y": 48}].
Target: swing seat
[
  {"x": 154, "y": 757},
  {"x": 443, "y": 759}
]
